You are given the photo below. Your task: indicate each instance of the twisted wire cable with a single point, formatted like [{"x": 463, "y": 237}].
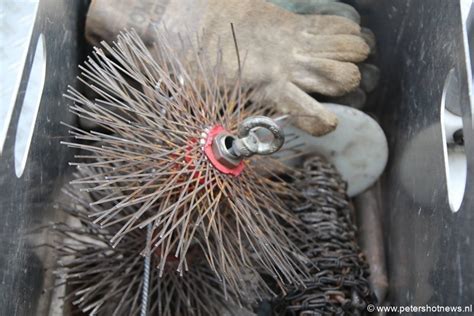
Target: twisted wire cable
[
  {"x": 327, "y": 236},
  {"x": 146, "y": 275}
]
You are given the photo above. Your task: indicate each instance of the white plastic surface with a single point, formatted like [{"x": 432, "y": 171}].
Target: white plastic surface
[
  {"x": 358, "y": 147},
  {"x": 455, "y": 160}
]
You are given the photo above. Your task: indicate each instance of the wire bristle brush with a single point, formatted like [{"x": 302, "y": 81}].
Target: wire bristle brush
[
  {"x": 107, "y": 280},
  {"x": 180, "y": 154},
  {"x": 327, "y": 236}
]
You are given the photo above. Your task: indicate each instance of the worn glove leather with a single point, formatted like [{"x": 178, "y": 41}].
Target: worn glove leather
[{"x": 284, "y": 54}]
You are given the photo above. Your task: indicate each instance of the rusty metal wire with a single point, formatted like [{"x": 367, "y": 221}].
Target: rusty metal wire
[
  {"x": 106, "y": 280},
  {"x": 339, "y": 272},
  {"x": 151, "y": 164}
]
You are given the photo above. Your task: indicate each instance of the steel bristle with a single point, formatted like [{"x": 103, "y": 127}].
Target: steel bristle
[
  {"x": 148, "y": 167},
  {"x": 108, "y": 280}
]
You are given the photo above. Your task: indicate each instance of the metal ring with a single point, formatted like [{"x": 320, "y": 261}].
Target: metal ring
[{"x": 252, "y": 146}]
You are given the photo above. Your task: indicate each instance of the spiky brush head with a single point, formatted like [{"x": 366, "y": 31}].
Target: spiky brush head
[
  {"x": 151, "y": 167},
  {"x": 106, "y": 280}
]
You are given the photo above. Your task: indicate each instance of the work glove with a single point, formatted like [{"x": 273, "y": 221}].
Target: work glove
[
  {"x": 370, "y": 74},
  {"x": 284, "y": 55}
]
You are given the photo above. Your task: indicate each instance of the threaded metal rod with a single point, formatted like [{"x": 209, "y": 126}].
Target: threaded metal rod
[{"x": 146, "y": 274}]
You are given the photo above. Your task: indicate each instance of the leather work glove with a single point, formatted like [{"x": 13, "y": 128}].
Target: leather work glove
[
  {"x": 285, "y": 54},
  {"x": 370, "y": 74}
]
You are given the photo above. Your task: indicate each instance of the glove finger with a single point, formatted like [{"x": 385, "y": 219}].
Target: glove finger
[
  {"x": 335, "y": 8},
  {"x": 325, "y": 76},
  {"x": 356, "y": 99},
  {"x": 300, "y": 6},
  {"x": 351, "y": 48},
  {"x": 370, "y": 76},
  {"x": 306, "y": 113},
  {"x": 369, "y": 38},
  {"x": 330, "y": 25}
]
